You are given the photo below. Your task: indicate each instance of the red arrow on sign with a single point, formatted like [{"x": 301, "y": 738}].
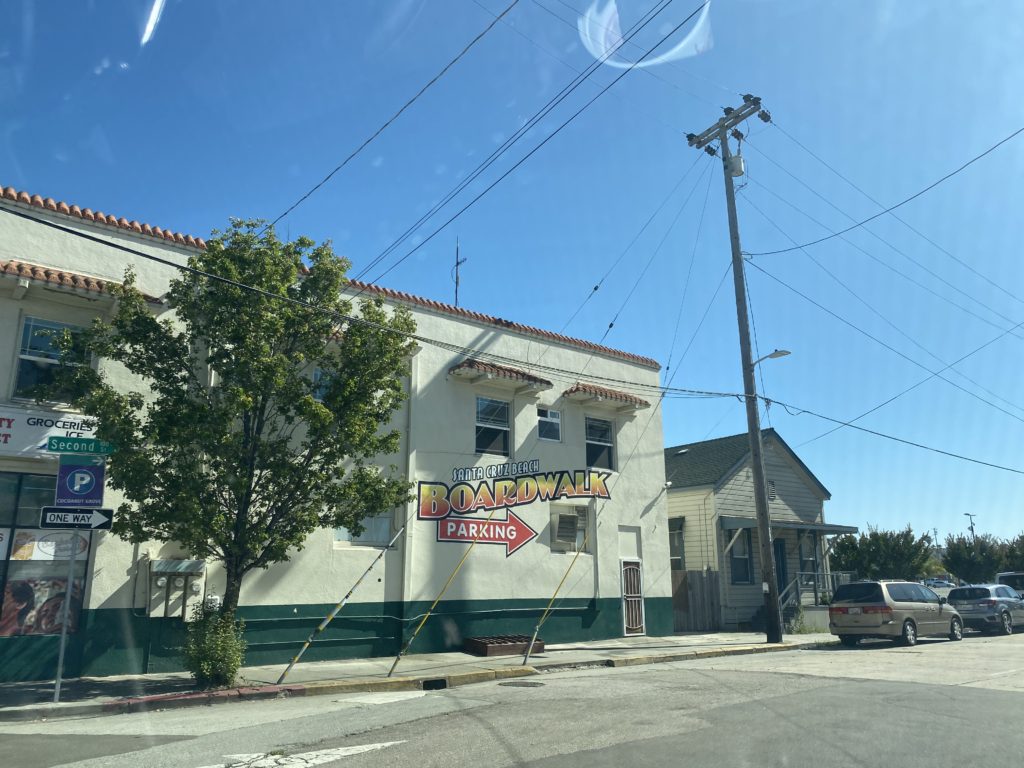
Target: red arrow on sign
[{"x": 513, "y": 532}]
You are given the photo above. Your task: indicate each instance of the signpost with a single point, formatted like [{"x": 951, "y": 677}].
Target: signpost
[
  {"x": 80, "y": 480},
  {"x": 82, "y": 518}
]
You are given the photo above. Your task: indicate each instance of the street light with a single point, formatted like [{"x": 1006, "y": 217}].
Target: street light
[
  {"x": 772, "y": 356},
  {"x": 970, "y": 516}
]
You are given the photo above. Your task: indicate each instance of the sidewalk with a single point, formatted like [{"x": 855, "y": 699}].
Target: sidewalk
[{"x": 91, "y": 696}]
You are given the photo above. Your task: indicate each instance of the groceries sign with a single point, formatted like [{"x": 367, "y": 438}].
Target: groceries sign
[
  {"x": 26, "y": 432},
  {"x": 501, "y": 486}
]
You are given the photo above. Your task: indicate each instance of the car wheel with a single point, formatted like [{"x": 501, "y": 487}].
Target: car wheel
[
  {"x": 909, "y": 635},
  {"x": 1005, "y": 624},
  {"x": 956, "y": 630},
  {"x": 848, "y": 641}
]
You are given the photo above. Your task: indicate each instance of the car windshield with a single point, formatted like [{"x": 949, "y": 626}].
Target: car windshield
[
  {"x": 870, "y": 592},
  {"x": 1015, "y": 580},
  {"x": 963, "y": 594}
]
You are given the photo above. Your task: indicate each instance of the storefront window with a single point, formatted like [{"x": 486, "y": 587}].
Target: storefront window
[{"x": 34, "y": 563}]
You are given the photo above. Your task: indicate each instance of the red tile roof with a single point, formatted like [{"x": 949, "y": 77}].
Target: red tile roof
[
  {"x": 509, "y": 325},
  {"x": 58, "y": 206},
  {"x": 605, "y": 394},
  {"x": 500, "y": 371},
  {"x": 71, "y": 280},
  {"x": 9, "y": 193}
]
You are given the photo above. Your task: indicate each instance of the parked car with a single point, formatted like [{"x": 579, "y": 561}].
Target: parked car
[
  {"x": 988, "y": 607},
  {"x": 938, "y": 583},
  {"x": 898, "y": 610},
  {"x": 1013, "y": 579}
]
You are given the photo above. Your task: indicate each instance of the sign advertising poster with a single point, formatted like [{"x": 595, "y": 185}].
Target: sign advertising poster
[
  {"x": 37, "y": 582},
  {"x": 501, "y": 486},
  {"x": 80, "y": 481},
  {"x": 26, "y": 431}
]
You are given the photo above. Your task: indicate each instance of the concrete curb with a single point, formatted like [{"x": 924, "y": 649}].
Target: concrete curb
[{"x": 364, "y": 684}]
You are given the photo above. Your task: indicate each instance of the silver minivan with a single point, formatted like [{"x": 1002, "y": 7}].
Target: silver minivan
[{"x": 898, "y": 610}]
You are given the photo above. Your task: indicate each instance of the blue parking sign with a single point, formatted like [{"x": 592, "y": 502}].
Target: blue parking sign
[{"x": 80, "y": 481}]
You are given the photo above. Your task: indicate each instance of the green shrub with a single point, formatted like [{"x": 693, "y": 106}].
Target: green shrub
[{"x": 214, "y": 648}]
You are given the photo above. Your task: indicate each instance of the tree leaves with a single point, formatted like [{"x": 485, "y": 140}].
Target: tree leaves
[
  {"x": 231, "y": 444},
  {"x": 883, "y": 554}
]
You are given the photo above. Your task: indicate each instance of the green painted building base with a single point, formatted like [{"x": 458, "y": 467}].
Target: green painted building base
[{"x": 120, "y": 642}]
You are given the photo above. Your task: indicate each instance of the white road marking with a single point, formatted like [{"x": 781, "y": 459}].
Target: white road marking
[
  {"x": 384, "y": 697},
  {"x": 301, "y": 760}
]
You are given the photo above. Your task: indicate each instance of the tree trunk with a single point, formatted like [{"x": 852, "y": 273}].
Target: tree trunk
[{"x": 233, "y": 588}]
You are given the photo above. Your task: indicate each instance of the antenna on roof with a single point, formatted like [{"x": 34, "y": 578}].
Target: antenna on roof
[{"x": 455, "y": 270}]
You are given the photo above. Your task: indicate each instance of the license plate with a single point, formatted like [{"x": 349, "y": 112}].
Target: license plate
[{"x": 853, "y": 611}]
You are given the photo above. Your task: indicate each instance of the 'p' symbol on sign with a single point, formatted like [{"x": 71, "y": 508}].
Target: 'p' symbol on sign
[{"x": 81, "y": 481}]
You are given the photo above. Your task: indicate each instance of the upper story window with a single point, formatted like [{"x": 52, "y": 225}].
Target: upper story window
[
  {"x": 492, "y": 426},
  {"x": 600, "y": 444},
  {"x": 38, "y": 354},
  {"x": 319, "y": 385},
  {"x": 549, "y": 424}
]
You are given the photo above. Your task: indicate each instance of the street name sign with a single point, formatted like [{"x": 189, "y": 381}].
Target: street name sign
[
  {"x": 79, "y": 445},
  {"x": 83, "y": 518}
]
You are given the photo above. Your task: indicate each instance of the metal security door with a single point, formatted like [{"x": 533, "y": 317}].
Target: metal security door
[{"x": 632, "y": 598}]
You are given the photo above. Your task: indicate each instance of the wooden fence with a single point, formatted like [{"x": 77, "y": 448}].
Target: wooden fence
[{"x": 695, "y": 601}]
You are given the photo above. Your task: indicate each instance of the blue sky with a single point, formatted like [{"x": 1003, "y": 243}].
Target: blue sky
[{"x": 237, "y": 108}]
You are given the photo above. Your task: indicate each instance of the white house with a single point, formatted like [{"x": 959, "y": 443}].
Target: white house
[
  {"x": 716, "y": 564},
  {"x": 551, "y": 453}
]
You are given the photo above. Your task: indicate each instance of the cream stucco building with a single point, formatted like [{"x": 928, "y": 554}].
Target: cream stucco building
[{"x": 564, "y": 460}]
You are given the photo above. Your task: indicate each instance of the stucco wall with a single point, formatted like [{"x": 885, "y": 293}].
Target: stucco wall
[{"x": 438, "y": 435}]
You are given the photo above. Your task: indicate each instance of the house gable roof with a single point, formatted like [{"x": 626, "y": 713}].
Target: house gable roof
[{"x": 710, "y": 461}]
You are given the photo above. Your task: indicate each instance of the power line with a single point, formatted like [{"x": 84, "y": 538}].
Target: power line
[
  {"x": 667, "y": 391},
  {"x": 674, "y": 64},
  {"x": 654, "y": 253},
  {"x": 891, "y": 208},
  {"x": 902, "y": 221},
  {"x": 622, "y": 254},
  {"x": 842, "y": 284},
  {"x": 914, "y": 386},
  {"x": 885, "y": 242},
  {"x": 757, "y": 349},
  {"x": 554, "y": 372},
  {"x": 689, "y": 272},
  {"x": 541, "y": 144},
  {"x": 877, "y": 340},
  {"x": 652, "y": 73},
  {"x": 519, "y": 133},
  {"x": 793, "y": 410},
  {"x": 551, "y": 54},
  {"x": 395, "y": 116}
]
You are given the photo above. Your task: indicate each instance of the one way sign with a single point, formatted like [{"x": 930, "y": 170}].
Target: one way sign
[{"x": 76, "y": 517}]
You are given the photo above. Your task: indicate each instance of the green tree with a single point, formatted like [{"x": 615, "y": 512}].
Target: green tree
[
  {"x": 883, "y": 554},
  {"x": 975, "y": 560},
  {"x": 1013, "y": 554},
  {"x": 256, "y": 421}
]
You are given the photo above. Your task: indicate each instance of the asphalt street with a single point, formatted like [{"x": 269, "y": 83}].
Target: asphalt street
[{"x": 938, "y": 704}]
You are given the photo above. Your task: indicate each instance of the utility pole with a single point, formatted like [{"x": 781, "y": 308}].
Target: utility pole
[
  {"x": 732, "y": 165},
  {"x": 458, "y": 263},
  {"x": 970, "y": 516}
]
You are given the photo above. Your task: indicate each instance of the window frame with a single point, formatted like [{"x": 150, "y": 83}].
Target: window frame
[
  {"x": 748, "y": 539},
  {"x": 547, "y": 419},
  {"x": 343, "y": 539},
  {"x": 610, "y": 445},
  {"x": 22, "y": 356},
  {"x": 507, "y": 429},
  {"x": 681, "y": 532},
  {"x": 560, "y": 546}
]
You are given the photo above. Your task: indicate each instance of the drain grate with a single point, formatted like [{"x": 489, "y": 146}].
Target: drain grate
[{"x": 522, "y": 684}]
